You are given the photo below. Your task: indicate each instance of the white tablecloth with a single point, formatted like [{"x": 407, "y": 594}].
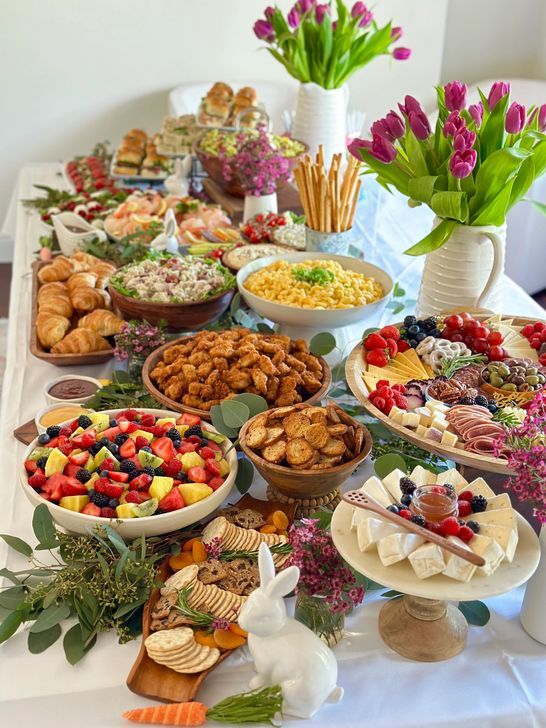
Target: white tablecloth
[{"x": 497, "y": 682}]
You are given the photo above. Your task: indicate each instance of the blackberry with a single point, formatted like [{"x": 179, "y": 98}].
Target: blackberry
[
  {"x": 467, "y": 400},
  {"x": 393, "y": 508},
  {"x": 429, "y": 323},
  {"x": 474, "y": 526},
  {"x": 113, "y": 503},
  {"x": 149, "y": 471},
  {"x": 409, "y": 321},
  {"x": 448, "y": 486},
  {"x": 84, "y": 421},
  {"x": 407, "y": 485},
  {"x": 419, "y": 520},
  {"x": 405, "y": 500},
  {"x": 159, "y": 471},
  {"x": 127, "y": 466},
  {"x": 478, "y": 504},
  {"x": 53, "y": 431},
  {"x": 195, "y": 430},
  {"x": 101, "y": 500},
  {"x": 133, "y": 474},
  {"x": 41, "y": 463},
  {"x": 83, "y": 475},
  {"x": 461, "y": 522},
  {"x": 43, "y": 439},
  {"x": 120, "y": 439},
  {"x": 481, "y": 400},
  {"x": 173, "y": 434},
  {"x": 91, "y": 493}
]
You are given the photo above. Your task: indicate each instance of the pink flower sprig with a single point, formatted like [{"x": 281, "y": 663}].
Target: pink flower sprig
[
  {"x": 138, "y": 338},
  {"x": 214, "y": 548},
  {"x": 322, "y": 570},
  {"x": 525, "y": 447}
]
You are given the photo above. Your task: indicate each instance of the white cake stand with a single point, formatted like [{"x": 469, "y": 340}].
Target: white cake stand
[{"x": 421, "y": 625}]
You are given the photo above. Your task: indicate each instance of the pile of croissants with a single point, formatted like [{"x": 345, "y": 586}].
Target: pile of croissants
[{"x": 74, "y": 289}]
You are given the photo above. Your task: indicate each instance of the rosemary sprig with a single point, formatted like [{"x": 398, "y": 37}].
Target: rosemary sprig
[
  {"x": 510, "y": 419},
  {"x": 280, "y": 548},
  {"x": 199, "y": 619},
  {"x": 453, "y": 365},
  {"x": 258, "y": 706}
]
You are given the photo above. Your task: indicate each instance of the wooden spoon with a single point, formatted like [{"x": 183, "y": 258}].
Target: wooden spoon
[{"x": 361, "y": 500}]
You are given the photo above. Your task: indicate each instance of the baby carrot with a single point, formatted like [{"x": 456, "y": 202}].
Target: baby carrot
[{"x": 179, "y": 714}]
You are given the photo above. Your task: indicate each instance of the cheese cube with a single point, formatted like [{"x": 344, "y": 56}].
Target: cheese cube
[
  {"x": 396, "y": 414},
  {"x": 449, "y": 439},
  {"x": 427, "y": 560},
  {"x": 435, "y": 406},
  {"x": 439, "y": 423},
  {"x": 359, "y": 515},
  {"x": 498, "y": 517},
  {"x": 421, "y": 431},
  {"x": 425, "y": 415},
  {"x": 410, "y": 419},
  {"x": 397, "y": 546},
  {"x": 433, "y": 433}
]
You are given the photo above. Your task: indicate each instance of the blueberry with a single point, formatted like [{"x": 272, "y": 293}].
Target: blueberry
[
  {"x": 492, "y": 407},
  {"x": 413, "y": 343},
  {"x": 393, "y": 508},
  {"x": 44, "y": 439},
  {"x": 481, "y": 400},
  {"x": 104, "y": 442},
  {"x": 409, "y": 321},
  {"x": 146, "y": 449},
  {"x": 120, "y": 439},
  {"x": 405, "y": 500},
  {"x": 114, "y": 503},
  {"x": 114, "y": 449},
  {"x": 420, "y": 336},
  {"x": 204, "y": 442},
  {"x": 435, "y": 332},
  {"x": 474, "y": 525},
  {"x": 412, "y": 330},
  {"x": 159, "y": 471},
  {"x": 94, "y": 449},
  {"x": 103, "y": 473},
  {"x": 113, "y": 423}
]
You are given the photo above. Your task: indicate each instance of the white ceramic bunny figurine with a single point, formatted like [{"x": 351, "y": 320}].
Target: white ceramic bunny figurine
[
  {"x": 285, "y": 652},
  {"x": 167, "y": 240}
]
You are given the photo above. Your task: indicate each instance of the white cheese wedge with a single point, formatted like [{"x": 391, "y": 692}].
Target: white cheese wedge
[
  {"x": 499, "y": 501},
  {"x": 505, "y": 537},
  {"x": 397, "y": 546},
  {"x": 392, "y": 483},
  {"x": 421, "y": 476},
  {"x": 499, "y": 517},
  {"x": 427, "y": 560},
  {"x": 410, "y": 419},
  {"x": 396, "y": 414},
  {"x": 435, "y": 406},
  {"x": 453, "y": 477},
  {"x": 374, "y": 488},
  {"x": 449, "y": 438},
  {"x": 489, "y": 550},
  {"x": 425, "y": 416},
  {"x": 478, "y": 487},
  {"x": 439, "y": 423},
  {"x": 359, "y": 515},
  {"x": 456, "y": 567},
  {"x": 371, "y": 530}
]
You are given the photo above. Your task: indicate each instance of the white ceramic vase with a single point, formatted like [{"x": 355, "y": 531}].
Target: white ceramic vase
[
  {"x": 256, "y": 205},
  {"x": 532, "y": 616},
  {"x": 465, "y": 273},
  {"x": 321, "y": 118}
]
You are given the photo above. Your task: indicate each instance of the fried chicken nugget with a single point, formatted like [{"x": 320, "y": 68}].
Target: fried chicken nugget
[
  {"x": 248, "y": 360},
  {"x": 205, "y": 369},
  {"x": 260, "y": 380},
  {"x": 190, "y": 373},
  {"x": 237, "y": 379},
  {"x": 197, "y": 358},
  {"x": 272, "y": 391},
  {"x": 267, "y": 366}
]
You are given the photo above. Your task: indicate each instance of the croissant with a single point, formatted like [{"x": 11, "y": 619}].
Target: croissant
[
  {"x": 103, "y": 271},
  {"x": 81, "y": 341},
  {"x": 50, "y": 329},
  {"x": 57, "y": 305},
  {"x": 102, "y": 321},
  {"x": 86, "y": 258},
  {"x": 81, "y": 280},
  {"x": 87, "y": 299},
  {"x": 59, "y": 270},
  {"x": 48, "y": 289}
]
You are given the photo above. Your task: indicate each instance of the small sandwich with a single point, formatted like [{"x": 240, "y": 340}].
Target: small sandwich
[
  {"x": 129, "y": 160},
  {"x": 154, "y": 165},
  {"x": 248, "y": 93},
  {"x": 221, "y": 89},
  {"x": 217, "y": 108},
  {"x": 138, "y": 134}
]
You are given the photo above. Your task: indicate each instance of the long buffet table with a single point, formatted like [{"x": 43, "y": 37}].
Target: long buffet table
[{"x": 497, "y": 681}]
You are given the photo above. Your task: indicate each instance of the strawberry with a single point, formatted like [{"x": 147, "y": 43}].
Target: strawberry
[
  {"x": 198, "y": 474},
  {"x": 72, "y": 486},
  {"x": 88, "y": 438},
  {"x": 374, "y": 341},
  {"x": 108, "y": 513},
  {"x": 173, "y": 467},
  {"x": 111, "y": 433},
  {"x": 390, "y": 332},
  {"x": 141, "y": 482},
  {"x": 70, "y": 470},
  {"x": 108, "y": 464},
  {"x": 118, "y": 476},
  {"x": 213, "y": 445},
  {"x": 450, "y": 526},
  {"x": 465, "y": 509},
  {"x": 67, "y": 430},
  {"x": 173, "y": 501},
  {"x": 206, "y": 453},
  {"x": 186, "y": 446},
  {"x": 137, "y": 496},
  {"x": 194, "y": 439},
  {"x": 215, "y": 483},
  {"x": 147, "y": 420},
  {"x": 65, "y": 445},
  {"x": 403, "y": 345},
  {"x": 187, "y": 419},
  {"x": 211, "y": 466},
  {"x": 163, "y": 447},
  {"x": 91, "y": 510},
  {"x": 37, "y": 480},
  {"x": 112, "y": 490},
  {"x": 377, "y": 357},
  {"x": 140, "y": 442},
  {"x": 126, "y": 427},
  {"x": 31, "y": 466},
  {"x": 78, "y": 458},
  {"x": 392, "y": 347},
  {"x": 128, "y": 449},
  {"x": 53, "y": 488}
]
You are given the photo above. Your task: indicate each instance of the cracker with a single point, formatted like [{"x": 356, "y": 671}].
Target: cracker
[
  {"x": 296, "y": 424},
  {"x": 333, "y": 447},
  {"x": 256, "y": 436},
  {"x": 249, "y": 518},
  {"x": 275, "y": 453},
  {"x": 308, "y": 464},
  {"x": 169, "y": 639},
  {"x": 332, "y": 414},
  {"x": 317, "y": 415},
  {"x": 330, "y": 461},
  {"x": 211, "y": 571},
  {"x": 181, "y": 579},
  {"x": 316, "y": 435},
  {"x": 274, "y": 434},
  {"x": 215, "y": 529},
  {"x": 281, "y": 412},
  {"x": 359, "y": 440},
  {"x": 336, "y": 430},
  {"x": 298, "y": 451}
]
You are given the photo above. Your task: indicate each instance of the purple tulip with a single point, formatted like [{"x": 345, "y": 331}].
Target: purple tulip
[
  {"x": 360, "y": 11},
  {"x": 410, "y": 104},
  {"x": 498, "y": 90},
  {"x": 264, "y": 31},
  {"x": 304, "y": 6},
  {"x": 476, "y": 112},
  {"x": 320, "y": 12},
  {"x": 396, "y": 32},
  {"x": 293, "y": 17},
  {"x": 395, "y": 125},
  {"x": 461, "y": 164},
  {"x": 419, "y": 124},
  {"x": 542, "y": 118},
  {"x": 455, "y": 95},
  {"x": 379, "y": 148},
  {"x": 463, "y": 140},
  {"x": 515, "y": 118},
  {"x": 269, "y": 12},
  {"x": 453, "y": 124},
  {"x": 380, "y": 128},
  {"x": 401, "y": 54}
]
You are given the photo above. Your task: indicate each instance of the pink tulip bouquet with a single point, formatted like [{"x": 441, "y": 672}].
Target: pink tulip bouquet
[
  {"x": 477, "y": 162},
  {"x": 315, "y": 47}
]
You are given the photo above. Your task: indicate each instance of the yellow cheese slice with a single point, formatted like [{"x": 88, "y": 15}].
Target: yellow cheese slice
[
  {"x": 388, "y": 373},
  {"x": 428, "y": 369},
  {"x": 412, "y": 358},
  {"x": 397, "y": 366}
]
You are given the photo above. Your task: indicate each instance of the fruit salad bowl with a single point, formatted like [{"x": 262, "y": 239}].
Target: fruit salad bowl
[{"x": 176, "y": 500}]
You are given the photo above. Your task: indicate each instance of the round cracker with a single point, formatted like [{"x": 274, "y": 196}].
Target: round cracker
[
  {"x": 316, "y": 435},
  {"x": 180, "y": 579},
  {"x": 256, "y": 436},
  {"x": 299, "y": 451},
  {"x": 168, "y": 639},
  {"x": 206, "y": 664},
  {"x": 275, "y": 453},
  {"x": 296, "y": 424},
  {"x": 333, "y": 447},
  {"x": 215, "y": 529}
]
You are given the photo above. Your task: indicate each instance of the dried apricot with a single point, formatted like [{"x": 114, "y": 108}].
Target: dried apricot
[
  {"x": 199, "y": 552},
  {"x": 280, "y": 520},
  {"x": 181, "y": 560},
  {"x": 282, "y": 533},
  {"x": 228, "y": 640},
  {"x": 234, "y": 627},
  {"x": 189, "y": 544},
  {"x": 268, "y": 528},
  {"x": 204, "y": 638}
]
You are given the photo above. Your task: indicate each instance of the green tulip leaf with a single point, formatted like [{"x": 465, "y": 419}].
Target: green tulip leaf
[
  {"x": 416, "y": 157},
  {"x": 17, "y": 544},
  {"x": 322, "y": 344},
  {"x": 475, "y": 613},
  {"x": 234, "y": 413},
  {"x": 387, "y": 463},
  {"x": 51, "y": 616},
  {"x": 254, "y": 402},
  {"x": 40, "y": 641},
  {"x": 493, "y": 176},
  {"x": 245, "y": 475},
  {"x": 434, "y": 240},
  {"x": 451, "y": 205}
]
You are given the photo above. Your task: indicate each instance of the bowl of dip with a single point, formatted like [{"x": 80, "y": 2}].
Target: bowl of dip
[
  {"x": 54, "y": 414},
  {"x": 73, "y": 388}
]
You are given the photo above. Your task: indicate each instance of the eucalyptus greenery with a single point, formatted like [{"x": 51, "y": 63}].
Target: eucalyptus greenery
[{"x": 122, "y": 393}]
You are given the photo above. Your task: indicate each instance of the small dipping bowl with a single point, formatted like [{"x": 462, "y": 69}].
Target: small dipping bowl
[
  {"x": 54, "y": 414},
  {"x": 73, "y": 388}
]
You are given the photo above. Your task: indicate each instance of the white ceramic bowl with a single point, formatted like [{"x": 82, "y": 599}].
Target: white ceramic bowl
[
  {"x": 314, "y": 318},
  {"x": 50, "y": 399},
  {"x": 130, "y": 528},
  {"x": 51, "y": 408}
]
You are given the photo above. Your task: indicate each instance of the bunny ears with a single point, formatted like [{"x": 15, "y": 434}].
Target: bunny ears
[{"x": 279, "y": 585}]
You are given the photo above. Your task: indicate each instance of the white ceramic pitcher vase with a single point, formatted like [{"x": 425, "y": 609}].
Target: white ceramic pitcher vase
[
  {"x": 254, "y": 205},
  {"x": 533, "y": 609},
  {"x": 465, "y": 273},
  {"x": 321, "y": 118}
]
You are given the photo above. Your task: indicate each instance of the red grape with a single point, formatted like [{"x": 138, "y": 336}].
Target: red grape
[
  {"x": 481, "y": 346},
  {"x": 496, "y": 353},
  {"x": 470, "y": 325},
  {"x": 456, "y": 336},
  {"x": 481, "y": 332},
  {"x": 454, "y": 322},
  {"x": 495, "y": 338}
]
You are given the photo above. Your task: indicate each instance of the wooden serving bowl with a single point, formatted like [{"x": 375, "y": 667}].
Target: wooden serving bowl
[
  {"x": 179, "y": 316},
  {"x": 157, "y": 355},
  {"x": 303, "y": 484}
]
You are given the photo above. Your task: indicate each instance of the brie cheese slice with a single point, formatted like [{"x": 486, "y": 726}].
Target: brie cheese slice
[
  {"x": 427, "y": 560},
  {"x": 397, "y": 546},
  {"x": 371, "y": 530},
  {"x": 453, "y": 477},
  {"x": 497, "y": 517},
  {"x": 456, "y": 567},
  {"x": 421, "y": 476},
  {"x": 359, "y": 515},
  {"x": 489, "y": 550},
  {"x": 478, "y": 487},
  {"x": 499, "y": 501},
  {"x": 392, "y": 484},
  {"x": 505, "y": 537},
  {"x": 374, "y": 488}
]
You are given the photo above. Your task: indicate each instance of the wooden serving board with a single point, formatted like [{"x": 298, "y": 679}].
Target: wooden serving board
[
  {"x": 158, "y": 682},
  {"x": 37, "y": 350},
  {"x": 354, "y": 368},
  {"x": 287, "y": 199}
]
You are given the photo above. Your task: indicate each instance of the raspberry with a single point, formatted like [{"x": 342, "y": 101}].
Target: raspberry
[
  {"x": 172, "y": 468},
  {"x": 129, "y": 414},
  {"x": 400, "y": 400},
  {"x": 390, "y": 332},
  {"x": 435, "y": 528},
  {"x": 374, "y": 341},
  {"x": 389, "y": 404},
  {"x": 405, "y": 513},
  {"x": 133, "y": 497},
  {"x": 400, "y": 388},
  {"x": 141, "y": 441},
  {"x": 528, "y": 330},
  {"x": 37, "y": 480},
  {"x": 377, "y": 357},
  {"x": 466, "y": 495},
  {"x": 465, "y": 534},
  {"x": 438, "y": 489},
  {"x": 383, "y": 383},
  {"x": 392, "y": 347},
  {"x": 450, "y": 526},
  {"x": 108, "y": 464},
  {"x": 465, "y": 509},
  {"x": 379, "y": 402},
  {"x": 478, "y": 503},
  {"x": 148, "y": 420}
]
